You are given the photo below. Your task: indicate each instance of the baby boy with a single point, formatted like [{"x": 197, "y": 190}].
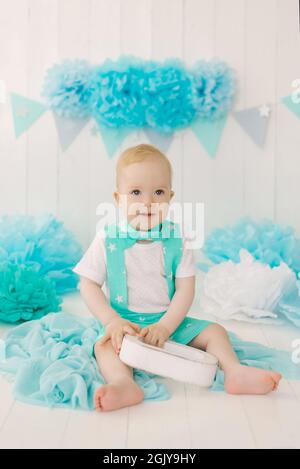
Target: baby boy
[{"x": 144, "y": 188}]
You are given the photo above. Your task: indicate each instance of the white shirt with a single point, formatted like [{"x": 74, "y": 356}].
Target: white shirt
[{"x": 147, "y": 289}]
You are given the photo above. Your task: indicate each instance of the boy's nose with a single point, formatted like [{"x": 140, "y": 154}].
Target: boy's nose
[{"x": 147, "y": 203}]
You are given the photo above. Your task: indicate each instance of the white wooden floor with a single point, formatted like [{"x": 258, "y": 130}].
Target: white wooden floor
[{"x": 192, "y": 418}]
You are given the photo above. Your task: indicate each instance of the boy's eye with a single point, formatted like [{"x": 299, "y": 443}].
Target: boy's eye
[{"x": 137, "y": 192}]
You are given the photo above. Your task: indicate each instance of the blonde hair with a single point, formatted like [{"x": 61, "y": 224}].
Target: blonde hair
[{"x": 140, "y": 153}]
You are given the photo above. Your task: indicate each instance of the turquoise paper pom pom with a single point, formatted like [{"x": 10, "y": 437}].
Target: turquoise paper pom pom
[
  {"x": 135, "y": 93},
  {"x": 118, "y": 98},
  {"x": 170, "y": 96},
  {"x": 68, "y": 88},
  {"x": 268, "y": 242},
  {"x": 213, "y": 88},
  {"x": 44, "y": 241},
  {"x": 132, "y": 92},
  {"x": 25, "y": 293}
]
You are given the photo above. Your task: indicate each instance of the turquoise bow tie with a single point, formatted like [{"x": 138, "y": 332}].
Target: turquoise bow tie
[{"x": 160, "y": 231}]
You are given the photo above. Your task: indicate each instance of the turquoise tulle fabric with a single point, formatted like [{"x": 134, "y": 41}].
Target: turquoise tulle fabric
[{"x": 50, "y": 362}]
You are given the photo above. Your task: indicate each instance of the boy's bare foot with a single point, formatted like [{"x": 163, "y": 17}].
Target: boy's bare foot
[
  {"x": 243, "y": 379},
  {"x": 122, "y": 393}
]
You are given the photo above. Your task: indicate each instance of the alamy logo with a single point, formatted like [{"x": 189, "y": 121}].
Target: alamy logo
[{"x": 189, "y": 216}]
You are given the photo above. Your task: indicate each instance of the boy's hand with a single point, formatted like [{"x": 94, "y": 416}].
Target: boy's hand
[
  {"x": 116, "y": 329},
  {"x": 155, "y": 334}
]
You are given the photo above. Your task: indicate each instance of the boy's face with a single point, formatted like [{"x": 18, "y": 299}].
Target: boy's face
[{"x": 144, "y": 193}]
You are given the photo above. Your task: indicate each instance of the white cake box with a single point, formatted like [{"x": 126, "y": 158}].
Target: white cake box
[{"x": 173, "y": 360}]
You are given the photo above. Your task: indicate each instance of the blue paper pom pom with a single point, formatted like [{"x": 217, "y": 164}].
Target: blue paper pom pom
[
  {"x": 25, "y": 293},
  {"x": 169, "y": 96},
  {"x": 213, "y": 88},
  {"x": 268, "y": 242},
  {"x": 68, "y": 88},
  {"x": 44, "y": 241},
  {"x": 131, "y": 92},
  {"x": 118, "y": 98}
]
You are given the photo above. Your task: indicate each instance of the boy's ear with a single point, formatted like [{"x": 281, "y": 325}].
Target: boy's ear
[
  {"x": 116, "y": 196},
  {"x": 172, "y": 193}
]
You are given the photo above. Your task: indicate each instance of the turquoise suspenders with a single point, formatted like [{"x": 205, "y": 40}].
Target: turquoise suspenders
[{"x": 118, "y": 239}]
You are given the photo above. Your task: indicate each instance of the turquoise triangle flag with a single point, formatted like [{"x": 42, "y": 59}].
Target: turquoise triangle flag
[
  {"x": 25, "y": 112},
  {"x": 209, "y": 133},
  {"x": 68, "y": 129},
  {"x": 162, "y": 141},
  {"x": 113, "y": 138},
  {"x": 292, "y": 105}
]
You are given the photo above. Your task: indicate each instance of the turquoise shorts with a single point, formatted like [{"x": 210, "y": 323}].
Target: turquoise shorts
[{"x": 185, "y": 332}]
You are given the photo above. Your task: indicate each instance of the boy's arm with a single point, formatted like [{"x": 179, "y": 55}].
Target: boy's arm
[
  {"x": 96, "y": 300},
  {"x": 180, "y": 303}
]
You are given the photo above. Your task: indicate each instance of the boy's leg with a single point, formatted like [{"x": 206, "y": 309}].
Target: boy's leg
[
  {"x": 238, "y": 378},
  {"x": 121, "y": 390}
]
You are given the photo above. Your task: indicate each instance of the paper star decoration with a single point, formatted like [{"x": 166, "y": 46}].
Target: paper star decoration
[{"x": 264, "y": 110}]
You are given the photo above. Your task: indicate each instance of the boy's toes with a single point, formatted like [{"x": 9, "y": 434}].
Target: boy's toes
[
  {"x": 97, "y": 403},
  {"x": 276, "y": 378},
  {"x": 97, "y": 398}
]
